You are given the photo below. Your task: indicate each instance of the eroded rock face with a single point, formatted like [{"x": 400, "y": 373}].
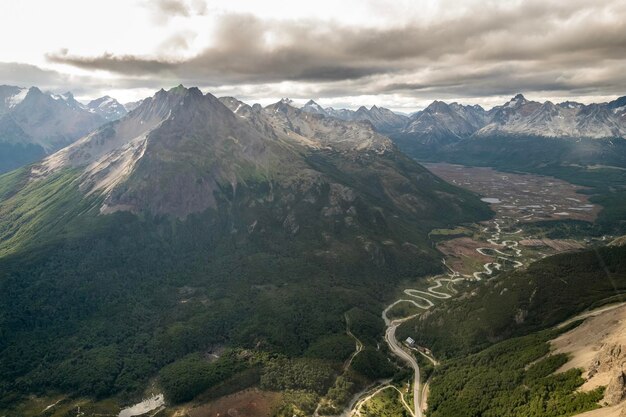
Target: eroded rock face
[
  {"x": 616, "y": 390},
  {"x": 611, "y": 358}
]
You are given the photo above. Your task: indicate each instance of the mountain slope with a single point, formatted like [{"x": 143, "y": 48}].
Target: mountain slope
[{"x": 185, "y": 226}]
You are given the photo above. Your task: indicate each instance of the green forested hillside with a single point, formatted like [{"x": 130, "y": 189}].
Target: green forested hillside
[
  {"x": 493, "y": 340},
  {"x": 516, "y": 303},
  {"x": 514, "y": 378},
  {"x": 97, "y": 305}
]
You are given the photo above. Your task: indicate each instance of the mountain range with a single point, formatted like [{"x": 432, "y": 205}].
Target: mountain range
[
  {"x": 520, "y": 116},
  {"x": 34, "y": 124},
  {"x": 520, "y": 134},
  {"x": 225, "y": 150},
  {"x": 383, "y": 120},
  {"x": 443, "y": 122}
]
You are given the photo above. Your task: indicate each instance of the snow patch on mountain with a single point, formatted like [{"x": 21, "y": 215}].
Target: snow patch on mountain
[{"x": 17, "y": 98}]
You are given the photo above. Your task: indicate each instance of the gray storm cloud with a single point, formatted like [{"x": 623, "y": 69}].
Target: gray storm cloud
[{"x": 497, "y": 48}]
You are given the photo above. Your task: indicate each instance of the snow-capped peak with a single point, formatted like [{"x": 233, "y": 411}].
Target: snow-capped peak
[{"x": 107, "y": 107}]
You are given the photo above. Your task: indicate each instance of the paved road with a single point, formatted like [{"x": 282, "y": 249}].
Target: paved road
[
  {"x": 418, "y": 299},
  {"x": 390, "y": 337}
]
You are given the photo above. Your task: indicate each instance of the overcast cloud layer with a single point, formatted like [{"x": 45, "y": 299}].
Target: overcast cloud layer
[{"x": 473, "y": 51}]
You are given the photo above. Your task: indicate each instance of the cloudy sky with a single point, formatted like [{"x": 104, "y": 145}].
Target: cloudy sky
[{"x": 344, "y": 53}]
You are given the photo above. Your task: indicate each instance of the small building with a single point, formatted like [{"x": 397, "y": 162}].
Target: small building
[{"x": 410, "y": 342}]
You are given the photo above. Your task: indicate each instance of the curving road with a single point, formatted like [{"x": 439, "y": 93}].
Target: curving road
[
  {"x": 423, "y": 300},
  {"x": 419, "y": 300},
  {"x": 396, "y": 349},
  {"x": 376, "y": 391}
]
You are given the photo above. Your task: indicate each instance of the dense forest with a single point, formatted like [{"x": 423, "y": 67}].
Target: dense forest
[{"x": 514, "y": 378}]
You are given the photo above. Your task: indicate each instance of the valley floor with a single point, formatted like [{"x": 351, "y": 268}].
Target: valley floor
[{"x": 526, "y": 197}]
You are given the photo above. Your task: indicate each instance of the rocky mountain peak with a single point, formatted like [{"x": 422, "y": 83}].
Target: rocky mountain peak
[
  {"x": 11, "y": 96},
  {"x": 570, "y": 105},
  {"x": 437, "y": 106},
  {"x": 312, "y": 107},
  {"x": 107, "y": 107},
  {"x": 517, "y": 101},
  {"x": 35, "y": 91}
]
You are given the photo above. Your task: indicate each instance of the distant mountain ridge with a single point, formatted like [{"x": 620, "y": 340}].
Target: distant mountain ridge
[
  {"x": 520, "y": 116},
  {"x": 444, "y": 123},
  {"x": 383, "y": 120},
  {"x": 107, "y": 107},
  {"x": 34, "y": 123},
  {"x": 441, "y": 122}
]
